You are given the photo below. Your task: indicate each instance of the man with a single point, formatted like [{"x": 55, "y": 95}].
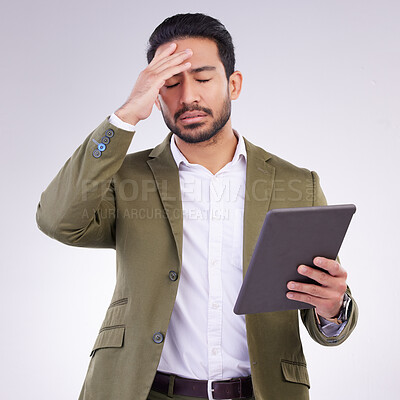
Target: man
[{"x": 184, "y": 218}]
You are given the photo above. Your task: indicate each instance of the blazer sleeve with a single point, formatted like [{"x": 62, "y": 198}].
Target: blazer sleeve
[
  {"x": 78, "y": 207},
  {"x": 308, "y": 316}
]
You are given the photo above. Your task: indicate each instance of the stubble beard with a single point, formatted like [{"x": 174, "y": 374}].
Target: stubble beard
[{"x": 196, "y": 134}]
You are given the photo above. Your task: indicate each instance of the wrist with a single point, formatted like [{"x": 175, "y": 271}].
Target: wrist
[
  {"x": 126, "y": 116},
  {"x": 342, "y": 315},
  {"x": 335, "y": 315}
]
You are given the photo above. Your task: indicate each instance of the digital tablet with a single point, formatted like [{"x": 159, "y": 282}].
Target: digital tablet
[{"x": 290, "y": 237}]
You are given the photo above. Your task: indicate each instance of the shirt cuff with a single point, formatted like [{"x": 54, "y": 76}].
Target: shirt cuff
[
  {"x": 117, "y": 122},
  {"x": 329, "y": 328}
]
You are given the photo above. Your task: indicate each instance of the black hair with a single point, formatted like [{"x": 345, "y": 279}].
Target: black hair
[{"x": 183, "y": 26}]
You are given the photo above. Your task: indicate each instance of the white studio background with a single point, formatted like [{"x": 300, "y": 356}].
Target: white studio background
[{"x": 321, "y": 89}]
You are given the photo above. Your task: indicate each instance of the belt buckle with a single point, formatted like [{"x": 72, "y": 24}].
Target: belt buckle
[{"x": 210, "y": 390}]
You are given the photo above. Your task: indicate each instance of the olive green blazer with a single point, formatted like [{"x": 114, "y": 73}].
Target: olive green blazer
[{"x": 104, "y": 198}]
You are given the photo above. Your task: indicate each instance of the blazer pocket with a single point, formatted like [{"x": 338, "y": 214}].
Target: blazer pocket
[
  {"x": 112, "y": 336},
  {"x": 115, "y": 314},
  {"x": 295, "y": 372}
]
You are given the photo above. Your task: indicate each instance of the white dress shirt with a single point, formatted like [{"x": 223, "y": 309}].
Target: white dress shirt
[{"x": 205, "y": 339}]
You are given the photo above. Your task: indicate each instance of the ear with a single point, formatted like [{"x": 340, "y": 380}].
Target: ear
[
  {"x": 235, "y": 84},
  {"x": 157, "y": 103}
]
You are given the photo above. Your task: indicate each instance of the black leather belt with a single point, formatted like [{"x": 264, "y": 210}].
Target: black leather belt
[{"x": 237, "y": 388}]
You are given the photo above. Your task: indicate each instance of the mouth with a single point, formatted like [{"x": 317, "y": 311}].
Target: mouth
[{"x": 192, "y": 117}]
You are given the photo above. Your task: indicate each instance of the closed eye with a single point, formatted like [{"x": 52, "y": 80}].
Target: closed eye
[
  {"x": 198, "y": 80},
  {"x": 171, "y": 86}
]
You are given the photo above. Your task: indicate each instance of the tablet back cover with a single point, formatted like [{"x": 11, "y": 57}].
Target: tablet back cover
[{"x": 290, "y": 237}]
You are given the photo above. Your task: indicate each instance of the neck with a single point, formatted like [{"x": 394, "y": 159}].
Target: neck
[{"x": 212, "y": 154}]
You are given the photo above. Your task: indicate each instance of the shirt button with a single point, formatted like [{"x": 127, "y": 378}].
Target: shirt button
[
  {"x": 173, "y": 275},
  {"x": 214, "y": 351},
  {"x": 158, "y": 337},
  {"x": 215, "y": 306}
]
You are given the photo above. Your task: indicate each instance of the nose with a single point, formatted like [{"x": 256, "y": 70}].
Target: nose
[{"x": 189, "y": 92}]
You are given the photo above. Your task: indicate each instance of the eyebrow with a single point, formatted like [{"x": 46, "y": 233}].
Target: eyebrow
[{"x": 200, "y": 69}]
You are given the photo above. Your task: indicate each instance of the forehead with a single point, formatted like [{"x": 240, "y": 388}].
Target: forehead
[{"x": 205, "y": 51}]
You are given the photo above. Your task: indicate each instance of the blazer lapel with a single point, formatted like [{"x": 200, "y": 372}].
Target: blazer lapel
[
  {"x": 166, "y": 175},
  {"x": 259, "y": 185}
]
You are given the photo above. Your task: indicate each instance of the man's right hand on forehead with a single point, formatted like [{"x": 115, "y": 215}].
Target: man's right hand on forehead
[{"x": 165, "y": 64}]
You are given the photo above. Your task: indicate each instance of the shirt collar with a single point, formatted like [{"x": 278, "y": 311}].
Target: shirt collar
[{"x": 180, "y": 158}]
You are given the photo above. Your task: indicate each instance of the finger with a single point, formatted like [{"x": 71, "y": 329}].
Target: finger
[
  {"x": 170, "y": 72},
  {"x": 324, "y": 307},
  {"x": 319, "y": 303},
  {"x": 332, "y": 266},
  {"x": 173, "y": 60},
  {"x": 314, "y": 290},
  {"x": 321, "y": 277},
  {"x": 305, "y": 298},
  {"x": 163, "y": 52}
]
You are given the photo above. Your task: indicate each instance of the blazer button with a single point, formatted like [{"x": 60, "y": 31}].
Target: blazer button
[
  {"x": 158, "y": 337},
  {"x": 109, "y": 133},
  {"x": 173, "y": 275},
  {"x": 96, "y": 153},
  {"x": 105, "y": 140}
]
